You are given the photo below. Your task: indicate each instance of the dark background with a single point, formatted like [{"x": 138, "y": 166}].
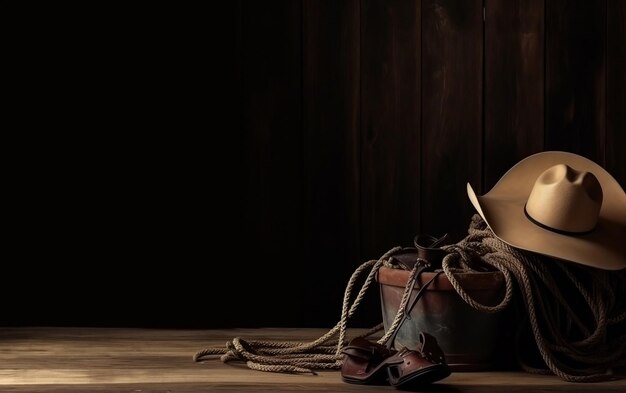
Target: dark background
[{"x": 232, "y": 165}]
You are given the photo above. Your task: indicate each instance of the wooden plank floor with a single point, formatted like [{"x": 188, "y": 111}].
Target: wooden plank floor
[{"x": 155, "y": 360}]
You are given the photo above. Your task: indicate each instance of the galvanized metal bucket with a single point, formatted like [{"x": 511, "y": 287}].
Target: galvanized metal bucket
[{"x": 469, "y": 338}]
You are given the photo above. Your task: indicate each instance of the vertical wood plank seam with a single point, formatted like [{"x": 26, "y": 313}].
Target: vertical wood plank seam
[
  {"x": 420, "y": 137},
  {"x": 303, "y": 164},
  {"x": 606, "y": 82},
  {"x": 420, "y": 187},
  {"x": 420, "y": 209},
  {"x": 545, "y": 72},
  {"x": 357, "y": 190},
  {"x": 483, "y": 182},
  {"x": 358, "y": 143}
]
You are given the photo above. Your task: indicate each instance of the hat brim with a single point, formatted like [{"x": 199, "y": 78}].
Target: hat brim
[{"x": 502, "y": 208}]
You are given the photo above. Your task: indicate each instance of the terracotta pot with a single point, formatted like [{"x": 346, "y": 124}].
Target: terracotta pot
[{"x": 469, "y": 338}]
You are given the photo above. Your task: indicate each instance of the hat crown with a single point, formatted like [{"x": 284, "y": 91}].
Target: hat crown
[{"x": 564, "y": 199}]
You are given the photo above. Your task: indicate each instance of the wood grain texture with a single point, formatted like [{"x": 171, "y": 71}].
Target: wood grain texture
[
  {"x": 616, "y": 91},
  {"x": 330, "y": 135},
  {"x": 390, "y": 129},
  {"x": 160, "y": 360},
  {"x": 451, "y": 154},
  {"x": 514, "y": 75},
  {"x": 575, "y": 77},
  {"x": 390, "y": 125}
]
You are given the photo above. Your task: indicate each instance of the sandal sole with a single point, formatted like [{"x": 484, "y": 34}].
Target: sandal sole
[{"x": 422, "y": 377}]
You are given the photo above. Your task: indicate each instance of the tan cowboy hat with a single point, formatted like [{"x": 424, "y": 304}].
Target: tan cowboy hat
[{"x": 561, "y": 205}]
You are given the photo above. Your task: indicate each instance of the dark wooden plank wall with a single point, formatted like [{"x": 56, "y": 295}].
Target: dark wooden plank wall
[
  {"x": 514, "y": 84},
  {"x": 390, "y": 129},
  {"x": 404, "y": 102},
  {"x": 350, "y": 127},
  {"x": 575, "y": 77},
  {"x": 390, "y": 124},
  {"x": 615, "y": 148},
  {"x": 330, "y": 143},
  {"x": 452, "y": 77}
]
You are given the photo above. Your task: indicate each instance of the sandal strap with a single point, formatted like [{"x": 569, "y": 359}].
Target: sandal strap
[{"x": 431, "y": 350}]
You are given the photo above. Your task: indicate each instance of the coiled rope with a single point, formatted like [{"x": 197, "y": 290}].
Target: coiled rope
[{"x": 574, "y": 348}]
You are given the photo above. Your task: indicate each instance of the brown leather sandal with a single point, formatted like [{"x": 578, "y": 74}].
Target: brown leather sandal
[
  {"x": 370, "y": 363},
  {"x": 420, "y": 367},
  {"x": 365, "y": 362}
]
